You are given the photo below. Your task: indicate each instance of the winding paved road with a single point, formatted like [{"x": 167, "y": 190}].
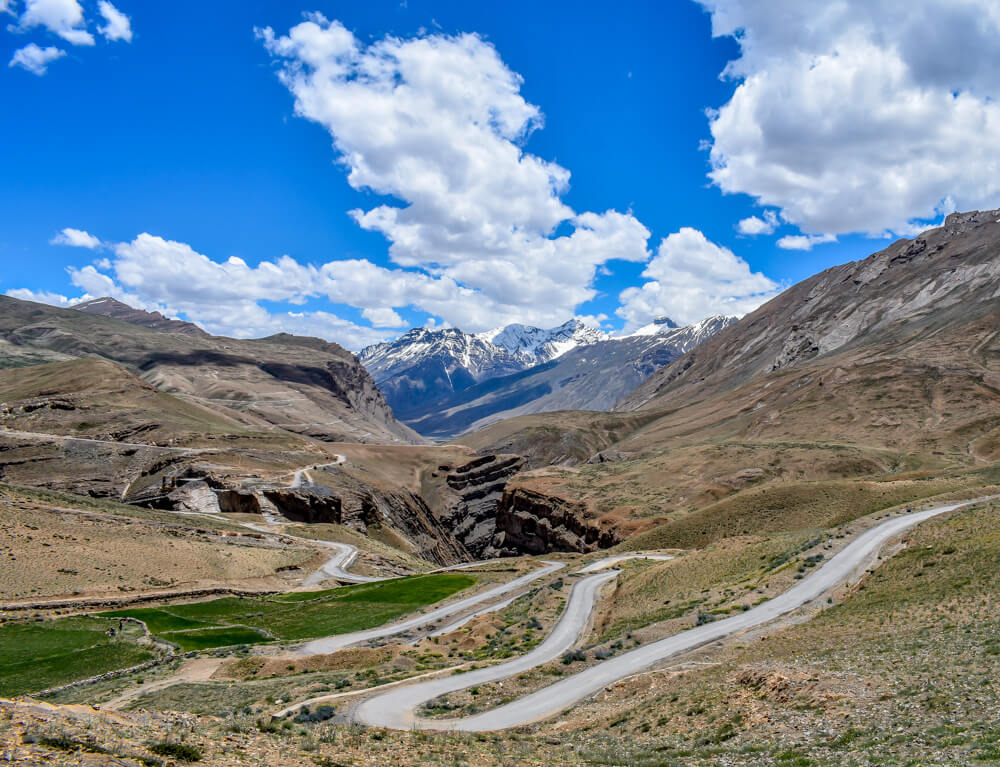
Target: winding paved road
[
  {"x": 301, "y": 476},
  {"x": 603, "y": 564},
  {"x": 339, "y": 641},
  {"x": 396, "y": 709},
  {"x": 335, "y": 566}
]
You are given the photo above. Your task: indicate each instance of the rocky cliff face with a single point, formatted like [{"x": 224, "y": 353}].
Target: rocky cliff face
[
  {"x": 478, "y": 487},
  {"x": 531, "y": 522},
  {"x": 361, "y": 506}
]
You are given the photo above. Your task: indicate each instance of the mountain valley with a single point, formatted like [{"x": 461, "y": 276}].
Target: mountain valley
[
  {"x": 445, "y": 383},
  {"x": 218, "y": 502}
]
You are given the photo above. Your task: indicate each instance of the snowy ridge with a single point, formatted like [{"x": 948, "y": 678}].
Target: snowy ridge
[
  {"x": 422, "y": 369},
  {"x": 683, "y": 339},
  {"x": 482, "y": 355},
  {"x": 593, "y": 376}
]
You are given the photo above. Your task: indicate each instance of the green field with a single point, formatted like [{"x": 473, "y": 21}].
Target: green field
[
  {"x": 294, "y": 616},
  {"x": 36, "y": 656}
]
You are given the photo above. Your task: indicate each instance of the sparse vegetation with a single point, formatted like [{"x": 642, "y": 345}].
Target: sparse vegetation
[{"x": 181, "y": 751}]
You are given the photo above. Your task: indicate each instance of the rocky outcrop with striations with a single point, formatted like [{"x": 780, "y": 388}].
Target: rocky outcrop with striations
[
  {"x": 478, "y": 487},
  {"x": 531, "y": 522}
]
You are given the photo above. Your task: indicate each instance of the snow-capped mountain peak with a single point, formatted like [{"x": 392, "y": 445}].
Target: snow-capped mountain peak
[
  {"x": 423, "y": 364},
  {"x": 543, "y": 345},
  {"x": 657, "y": 326},
  {"x": 424, "y": 369}
]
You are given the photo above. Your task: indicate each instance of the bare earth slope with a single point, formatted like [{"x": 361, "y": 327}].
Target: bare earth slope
[
  {"x": 873, "y": 369},
  {"x": 945, "y": 278},
  {"x": 303, "y": 385}
]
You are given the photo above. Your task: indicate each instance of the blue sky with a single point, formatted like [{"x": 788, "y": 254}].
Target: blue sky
[{"x": 180, "y": 151}]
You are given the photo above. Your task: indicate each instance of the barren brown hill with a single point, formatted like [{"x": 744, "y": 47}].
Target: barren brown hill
[
  {"x": 881, "y": 369},
  {"x": 914, "y": 289},
  {"x": 110, "y": 307},
  {"x": 303, "y": 385}
]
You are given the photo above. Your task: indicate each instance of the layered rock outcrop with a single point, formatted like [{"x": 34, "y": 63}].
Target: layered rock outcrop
[
  {"x": 477, "y": 487},
  {"x": 532, "y": 522},
  {"x": 361, "y": 506}
]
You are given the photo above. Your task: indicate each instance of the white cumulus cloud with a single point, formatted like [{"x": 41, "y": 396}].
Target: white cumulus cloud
[
  {"x": 755, "y": 225},
  {"x": 225, "y": 297},
  {"x": 76, "y": 238},
  {"x": 61, "y": 17},
  {"x": 860, "y": 115},
  {"x": 691, "y": 278},
  {"x": 804, "y": 241},
  {"x": 383, "y": 318},
  {"x": 438, "y": 122},
  {"x": 117, "y": 25},
  {"x": 35, "y": 59},
  {"x": 43, "y": 297}
]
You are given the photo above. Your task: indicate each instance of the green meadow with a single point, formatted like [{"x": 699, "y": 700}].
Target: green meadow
[
  {"x": 296, "y": 615},
  {"x": 40, "y": 655}
]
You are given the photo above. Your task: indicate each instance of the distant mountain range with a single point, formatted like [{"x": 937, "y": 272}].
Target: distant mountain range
[
  {"x": 446, "y": 382},
  {"x": 423, "y": 366}
]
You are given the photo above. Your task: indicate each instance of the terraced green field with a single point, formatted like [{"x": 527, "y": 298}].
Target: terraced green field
[
  {"x": 37, "y": 656},
  {"x": 296, "y": 615}
]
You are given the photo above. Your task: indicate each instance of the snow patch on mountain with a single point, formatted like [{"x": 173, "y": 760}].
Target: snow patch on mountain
[{"x": 684, "y": 339}]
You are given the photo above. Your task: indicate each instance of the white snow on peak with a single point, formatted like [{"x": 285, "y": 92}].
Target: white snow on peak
[
  {"x": 657, "y": 326},
  {"x": 493, "y": 352},
  {"x": 424, "y": 354},
  {"x": 543, "y": 345}
]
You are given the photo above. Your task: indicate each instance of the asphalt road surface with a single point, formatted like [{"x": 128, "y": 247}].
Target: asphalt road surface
[
  {"x": 603, "y": 564},
  {"x": 336, "y": 566},
  {"x": 396, "y": 709},
  {"x": 329, "y": 644}
]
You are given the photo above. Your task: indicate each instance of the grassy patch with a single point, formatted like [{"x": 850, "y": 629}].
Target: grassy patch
[
  {"x": 291, "y": 617},
  {"x": 204, "y": 639},
  {"x": 159, "y": 621},
  {"x": 37, "y": 656},
  {"x": 797, "y": 506},
  {"x": 182, "y": 751}
]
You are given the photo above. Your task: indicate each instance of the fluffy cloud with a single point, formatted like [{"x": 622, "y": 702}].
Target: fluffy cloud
[
  {"x": 860, "y": 115},
  {"x": 692, "y": 278},
  {"x": 35, "y": 59},
  {"x": 804, "y": 241},
  {"x": 117, "y": 25},
  {"x": 76, "y": 238},
  {"x": 383, "y": 318},
  {"x": 755, "y": 225},
  {"x": 61, "y": 17},
  {"x": 43, "y": 297},
  {"x": 225, "y": 297},
  {"x": 438, "y": 123}
]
